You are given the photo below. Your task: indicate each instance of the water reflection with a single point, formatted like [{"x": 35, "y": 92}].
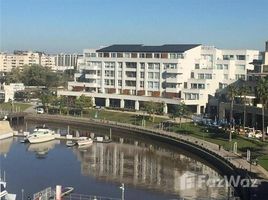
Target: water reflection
[
  {"x": 156, "y": 169},
  {"x": 41, "y": 149},
  {"x": 5, "y": 145},
  {"x": 140, "y": 164}
]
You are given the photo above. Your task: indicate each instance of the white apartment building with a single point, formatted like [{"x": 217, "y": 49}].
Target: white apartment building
[
  {"x": 127, "y": 75},
  {"x": 65, "y": 61},
  {"x": 215, "y": 70}
]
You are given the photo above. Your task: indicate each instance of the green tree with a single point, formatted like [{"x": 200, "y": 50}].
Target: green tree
[
  {"x": 179, "y": 110},
  {"x": 151, "y": 108},
  {"x": 83, "y": 102},
  {"x": 34, "y": 75},
  {"x": 15, "y": 76},
  {"x": 231, "y": 93},
  {"x": 262, "y": 93},
  {"x": 46, "y": 100}
]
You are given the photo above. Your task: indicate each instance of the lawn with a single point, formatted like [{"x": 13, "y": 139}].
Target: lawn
[
  {"x": 222, "y": 138},
  {"x": 123, "y": 117},
  {"x": 18, "y": 106},
  {"x": 263, "y": 161}
]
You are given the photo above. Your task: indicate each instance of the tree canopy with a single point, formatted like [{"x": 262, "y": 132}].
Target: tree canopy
[{"x": 34, "y": 75}]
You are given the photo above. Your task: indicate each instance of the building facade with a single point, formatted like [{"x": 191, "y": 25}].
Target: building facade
[
  {"x": 21, "y": 58},
  {"x": 65, "y": 61},
  {"x": 132, "y": 74},
  {"x": 215, "y": 70}
]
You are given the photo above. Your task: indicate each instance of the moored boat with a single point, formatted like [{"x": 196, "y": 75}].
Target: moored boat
[
  {"x": 70, "y": 143},
  {"x": 84, "y": 141},
  {"x": 41, "y": 134}
]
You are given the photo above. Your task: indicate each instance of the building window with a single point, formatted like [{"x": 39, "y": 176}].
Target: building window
[
  {"x": 156, "y": 55},
  {"x": 142, "y": 75},
  {"x": 225, "y": 66},
  {"x": 208, "y": 76},
  {"x": 170, "y": 66},
  {"x": 150, "y": 84},
  {"x": 142, "y": 55},
  {"x": 119, "y": 55},
  {"x": 142, "y": 84},
  {"x": 120, "y": 65},
  {"x": 241, "y": 57},
  {"x": 134, "y": 55},
  {"x": 219, "y": 66},
  {"x": 142, "y": 65},
  {"x": 197, "y": 66},
  {"x": 240, "y": 67},
  {"x": 150, "y": 75},
  {"x": 119, "y": 82},
  {"x": 132, "y": 65},
  {"x": 119, "y": 74},
  {"x": 127, "y": 55},
  {"x": 201, "y": 76},
  {"x": 192, "y": 74},
  {"x": 113, "y": 55},
  {"x": 156, "y": 85},
  {"x": 150, "y": 66},
  {"x": 106, "y": 55},
  {"x": 164, "y": 55},
  {"x": 149, "y": 55},
  {"x": 156, "y": 75}
]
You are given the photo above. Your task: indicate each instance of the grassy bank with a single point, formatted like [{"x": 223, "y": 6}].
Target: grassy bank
[
  {"x": 258, "y": 148},
  {"x": 120, "y": 116},
  {"x": 16, "y": 106}
]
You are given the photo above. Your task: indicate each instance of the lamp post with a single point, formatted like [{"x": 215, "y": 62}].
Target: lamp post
[{"x": 122, "y": 191}]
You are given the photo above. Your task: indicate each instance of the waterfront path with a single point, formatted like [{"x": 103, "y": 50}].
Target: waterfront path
[{"x": 230, "y": 158}]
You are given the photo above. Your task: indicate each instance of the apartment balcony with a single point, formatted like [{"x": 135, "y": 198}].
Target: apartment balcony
[
  {"x": 172, "y": 80},
  {"x": 91, "y": 76},
  {"x": 90, "y": 67},
  {"x": 83, "y": 84},
  {"x": 174, "y": 71},
  {"x": 173, "y": 90}
]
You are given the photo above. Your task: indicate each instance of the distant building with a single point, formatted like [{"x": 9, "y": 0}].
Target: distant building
[
  {"x": 65, "y": 61},
  {"x": 21, "y": 58},
  {"x": 8, "y": 91},
  {"x": 127, "y": 75}
]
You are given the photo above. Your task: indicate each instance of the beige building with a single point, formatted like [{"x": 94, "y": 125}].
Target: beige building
[{"x": 21, "y": 58}]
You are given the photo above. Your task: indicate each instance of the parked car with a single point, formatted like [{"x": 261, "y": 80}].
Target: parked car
[
  {"x": 40, "y": 110},
  {"x": 258, "y": 134}
]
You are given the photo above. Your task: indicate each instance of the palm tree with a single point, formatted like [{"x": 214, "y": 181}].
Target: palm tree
[
  {"x": 231, "y": 93},
  {"x": 262, "y": 93},
  {"x": 243, "y": 92}
]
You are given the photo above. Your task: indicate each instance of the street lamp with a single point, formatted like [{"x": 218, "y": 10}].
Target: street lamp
[{"x": 122, "y": 191}]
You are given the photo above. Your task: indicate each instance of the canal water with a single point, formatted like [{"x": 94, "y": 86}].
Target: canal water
[{"x": 150, "y": 170}]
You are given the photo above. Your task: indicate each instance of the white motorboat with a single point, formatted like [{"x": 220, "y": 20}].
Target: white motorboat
[
  {"x": 4, "y": 195},
  {"x": 41, "y": 134},
  {"x": 84, "y": 141}
]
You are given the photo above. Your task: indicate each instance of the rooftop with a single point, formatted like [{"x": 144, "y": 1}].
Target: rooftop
[{"x": 174, "y": 48}]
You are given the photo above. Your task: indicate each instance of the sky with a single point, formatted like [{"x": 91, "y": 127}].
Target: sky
[{"x": 55, "y": 26}]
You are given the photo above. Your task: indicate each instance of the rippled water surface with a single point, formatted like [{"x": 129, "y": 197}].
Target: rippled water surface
[{"x": 149, "y": 170}]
